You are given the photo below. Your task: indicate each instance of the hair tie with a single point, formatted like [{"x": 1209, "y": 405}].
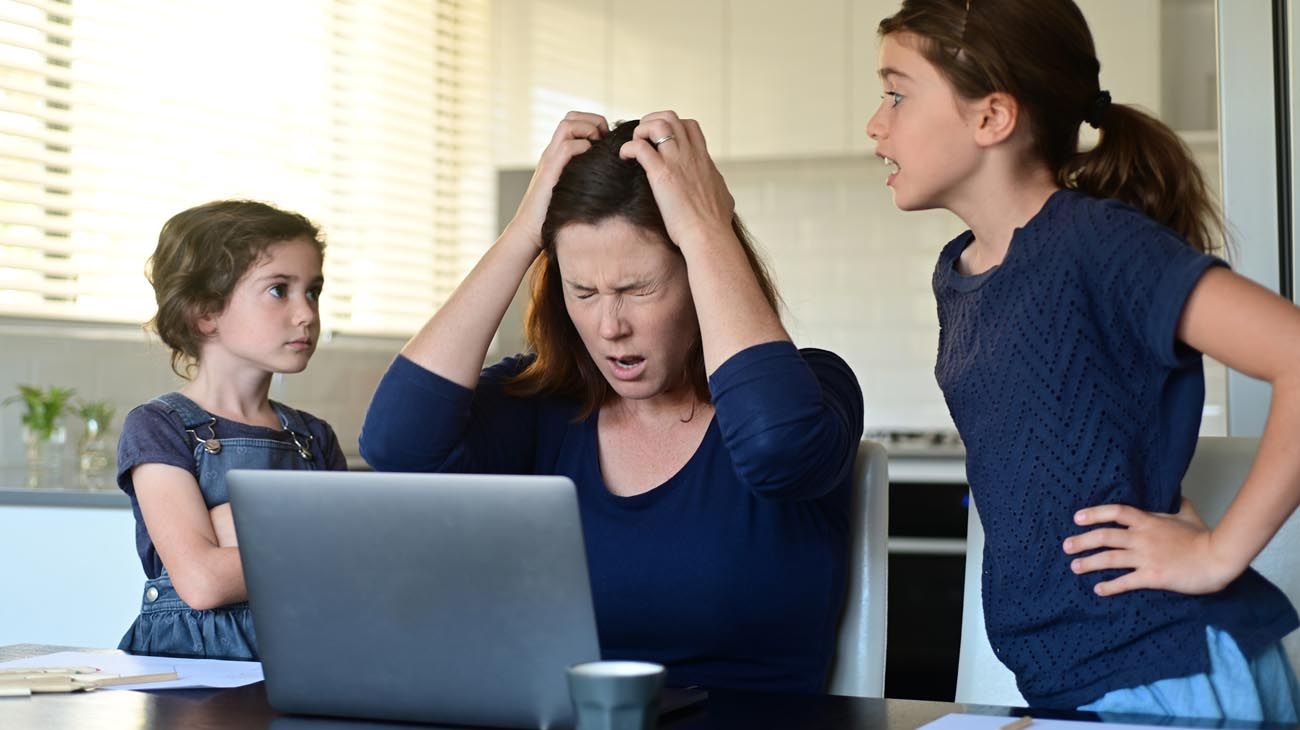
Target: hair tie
[{"x": 1097, "y": 109}]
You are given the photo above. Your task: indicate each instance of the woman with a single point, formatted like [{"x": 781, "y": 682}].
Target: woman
[{"x": 712, "y": 459}]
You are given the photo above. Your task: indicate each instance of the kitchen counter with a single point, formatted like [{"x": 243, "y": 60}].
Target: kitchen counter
[
  {"x": 13, "y": 494},
  {"x": 101, "y": 498},
  {"x": 69, "y": 493},
  {"x": 918, "y": 467},
  {"x": 910, "y": 467},
  {"x": 922, "y": 456}
]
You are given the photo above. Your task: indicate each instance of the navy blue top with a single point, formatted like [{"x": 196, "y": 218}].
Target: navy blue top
[
  {"x": 1063, "y": 373},
  {"x": 154, "y": 433},
  {"x": 732, "y": 572}
]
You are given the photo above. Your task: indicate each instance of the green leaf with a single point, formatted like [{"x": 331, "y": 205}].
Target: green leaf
[
  {"x": 43, "y": 407},
  {"x": 100, "y": 411}
]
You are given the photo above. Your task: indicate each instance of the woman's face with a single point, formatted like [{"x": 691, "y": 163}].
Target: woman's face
[{"x": 626, "y": 290}]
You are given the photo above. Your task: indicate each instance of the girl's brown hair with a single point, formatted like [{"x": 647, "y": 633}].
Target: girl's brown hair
[
  {"x": 1041, "y": 52},
  {"x": 595, "y": 186},
  {"x": 202, "y": 253}
]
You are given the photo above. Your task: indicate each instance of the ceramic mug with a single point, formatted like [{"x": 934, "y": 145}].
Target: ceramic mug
[{"x": 616, "y": 695}]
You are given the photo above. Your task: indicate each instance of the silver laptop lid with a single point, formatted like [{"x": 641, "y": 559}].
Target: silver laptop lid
[{"x": 439, "y": 598}]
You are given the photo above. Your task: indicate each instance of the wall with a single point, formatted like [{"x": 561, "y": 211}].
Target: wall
[
  {"x": 855, "y": 275},
  {"x": 855, "y": 272},
  {"x": 122, "y": 365},
  {"x": 787, "y": 128}
]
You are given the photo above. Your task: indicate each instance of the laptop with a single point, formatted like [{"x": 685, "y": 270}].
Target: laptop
[{"x": 438, "y": 598}]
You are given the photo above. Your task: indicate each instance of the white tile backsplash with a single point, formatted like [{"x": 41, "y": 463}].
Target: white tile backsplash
[
  {"x": 853, "y": 270},
  {"x": 127, "y": 368}
]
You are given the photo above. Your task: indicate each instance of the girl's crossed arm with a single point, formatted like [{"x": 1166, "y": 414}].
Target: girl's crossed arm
[
  {"x": 1256, "y": 332},
  {"x": 205, "y": 574}
]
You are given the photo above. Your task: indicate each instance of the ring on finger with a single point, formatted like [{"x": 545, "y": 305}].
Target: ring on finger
[{"x": 661, "y": 140}]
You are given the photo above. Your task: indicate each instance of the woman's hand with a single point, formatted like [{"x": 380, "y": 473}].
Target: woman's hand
[
  {"x": 1163, "y": 551},
  {"x": 692, "y": 196},
  {"x": 730, "y": 304},
  {"x": 572, "y": 137},
  {"x": 455, "y": 340}
]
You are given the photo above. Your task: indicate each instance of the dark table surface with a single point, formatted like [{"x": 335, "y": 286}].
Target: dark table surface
[{"x": 246, "y": 707}]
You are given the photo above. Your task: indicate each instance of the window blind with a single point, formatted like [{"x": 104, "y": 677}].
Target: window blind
[{"x": 368, "y": 116}]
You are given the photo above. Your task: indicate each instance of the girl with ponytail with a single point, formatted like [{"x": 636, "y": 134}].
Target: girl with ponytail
[{"x": 1073, "y": 315}]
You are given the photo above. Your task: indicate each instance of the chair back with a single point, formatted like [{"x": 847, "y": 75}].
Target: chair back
[
  {"x": 1216, "y": 471},
  {"x": 859, "y": 666},
  {"x": 1218, "y": 468},
  {"x": 982, "y": 678}
]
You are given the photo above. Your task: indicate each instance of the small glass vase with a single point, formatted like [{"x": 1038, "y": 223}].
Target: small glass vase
[
  {"x": 95, "y": 456},
  {"x": 45, "y": 455}
]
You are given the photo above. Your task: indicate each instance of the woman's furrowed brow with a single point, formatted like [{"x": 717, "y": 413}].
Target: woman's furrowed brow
[{"x": 630, "y": 286}]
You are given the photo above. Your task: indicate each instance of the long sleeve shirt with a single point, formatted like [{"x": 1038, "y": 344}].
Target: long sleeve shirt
[{"x": 732, "y": 572}]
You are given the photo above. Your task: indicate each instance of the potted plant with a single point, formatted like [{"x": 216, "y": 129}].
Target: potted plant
[
  {"x": 94, "y": 455},
  {"x": 44, "y": 433}
]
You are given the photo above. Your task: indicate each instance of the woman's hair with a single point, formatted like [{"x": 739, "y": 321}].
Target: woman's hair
[
  {"x": 1041, "y": 52},
  {"x": 202, "y": 253},
  {"x": 596, "y": 186}
]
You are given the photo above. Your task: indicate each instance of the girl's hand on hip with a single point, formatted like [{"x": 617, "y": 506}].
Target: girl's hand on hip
[
  {"x": 1162, "y": 551},
  {"x": 691, "y": 194},
  {"x": 572, "y": 137}
]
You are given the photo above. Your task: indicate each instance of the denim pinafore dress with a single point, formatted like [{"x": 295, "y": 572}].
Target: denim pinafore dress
[{"x": 167, "y": 625}]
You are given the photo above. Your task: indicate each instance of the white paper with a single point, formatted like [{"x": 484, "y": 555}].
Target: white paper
[
  {"x": 995, "y": 722},
  {"x": 190, "y": 672}
]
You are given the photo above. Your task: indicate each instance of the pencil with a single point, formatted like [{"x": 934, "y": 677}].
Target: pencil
[{"x": 1018, "y": 724}]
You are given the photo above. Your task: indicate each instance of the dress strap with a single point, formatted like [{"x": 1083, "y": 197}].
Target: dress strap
[
  {"x": 296, "y": 425},
  {"x": 187, "y": 410}
]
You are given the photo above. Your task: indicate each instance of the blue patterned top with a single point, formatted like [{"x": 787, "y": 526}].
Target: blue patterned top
[
  {"x": 732, "y": 572},
  {"x": 1063, "y": 373}
]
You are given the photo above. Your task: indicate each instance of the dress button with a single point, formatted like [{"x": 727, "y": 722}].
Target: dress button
[{"x": 151, "y": 594}]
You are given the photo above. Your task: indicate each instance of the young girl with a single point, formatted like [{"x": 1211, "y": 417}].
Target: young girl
[
  {"x": 1073, "y": 315},
  {"x": 237, "y": 284}
]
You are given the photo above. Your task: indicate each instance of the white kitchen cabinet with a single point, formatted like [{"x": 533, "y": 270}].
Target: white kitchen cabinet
[
  {"x": 669, "y": 55},
  {"x": 788, "y": 82},
  {"x": 1127, "y": 37},
  {"x": 1126, "y": 34},
  {"x": 549, "y": 57},
  {"x": 765, "y": 78},
  {"x": 864, "y": 83},
  {"x": 620, "y": 58}
]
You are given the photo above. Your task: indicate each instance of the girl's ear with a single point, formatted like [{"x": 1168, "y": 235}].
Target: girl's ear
[
  {"x": 205, "y": 322},
  {"x": 996, "y": 116}
]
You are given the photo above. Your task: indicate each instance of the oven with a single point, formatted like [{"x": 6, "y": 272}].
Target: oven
[{"x": 928, "y": 506}]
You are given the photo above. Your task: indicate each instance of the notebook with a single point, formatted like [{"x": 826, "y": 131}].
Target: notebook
[{"x": 439, "y": 598}]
